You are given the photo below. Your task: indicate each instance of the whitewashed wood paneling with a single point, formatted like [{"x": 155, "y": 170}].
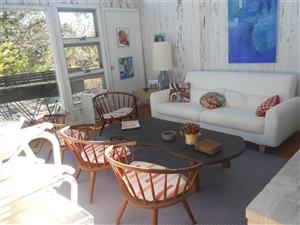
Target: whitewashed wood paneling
[
  {"x": 201, "y": 37},
  {"x": 104, "y": 3},
  {"x": 198, "y": 33}
]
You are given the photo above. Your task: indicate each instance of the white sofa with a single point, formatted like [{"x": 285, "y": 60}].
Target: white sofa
[{"x": 243, "y": 92}]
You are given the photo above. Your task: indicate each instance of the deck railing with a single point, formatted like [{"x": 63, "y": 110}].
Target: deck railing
[{"x": 27, "y": 94}]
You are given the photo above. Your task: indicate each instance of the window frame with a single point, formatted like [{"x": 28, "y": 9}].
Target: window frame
[
  {"x": 60, "y": 43},
  {"x": 56, "y": 45}
]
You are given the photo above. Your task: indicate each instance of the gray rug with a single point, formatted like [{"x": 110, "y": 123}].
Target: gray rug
[{"x": 223, "y": 197}]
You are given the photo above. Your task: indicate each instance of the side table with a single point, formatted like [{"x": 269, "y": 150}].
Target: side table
[
  {"x": 141, "y": 94},
  {"x": 88, "y": 112}
]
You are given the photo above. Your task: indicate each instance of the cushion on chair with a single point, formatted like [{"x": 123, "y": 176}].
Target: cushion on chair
[
  {"x": 266, "y": 105},
  {"x": 118, "y": 113},
  {"x": 158, "y": 182},
  {"x": 179, "y": 92},
  {"x": 99, "y": 151},
  {"x": 212, "y": 100}
]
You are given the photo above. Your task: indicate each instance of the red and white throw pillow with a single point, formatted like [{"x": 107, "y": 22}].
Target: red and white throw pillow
[{"x": 266, "y": 105}]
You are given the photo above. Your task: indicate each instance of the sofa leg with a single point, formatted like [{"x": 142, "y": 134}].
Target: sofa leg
[{"x": 262, "y": 148}]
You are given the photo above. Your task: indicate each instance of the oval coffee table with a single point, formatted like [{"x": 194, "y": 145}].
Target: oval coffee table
[{"x": 150, "y": 132}]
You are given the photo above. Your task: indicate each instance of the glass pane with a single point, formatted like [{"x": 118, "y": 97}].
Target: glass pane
[
  {"x": 86, "y": 83},
  {"x": 77, "y": 24},
  {"x": 28, "y": 84},
  {"x": 82, "y": 58},
  {"x": 25, "y": 44}
]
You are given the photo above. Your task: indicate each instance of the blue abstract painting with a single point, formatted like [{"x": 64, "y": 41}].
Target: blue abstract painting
[
  {"x": 126, "y": 68},
  {"x": 252, "y": 31}
]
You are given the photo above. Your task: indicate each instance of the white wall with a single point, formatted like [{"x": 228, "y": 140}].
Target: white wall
[
  {"x": 198, "y": 33},
  {"x": 197, "y": 30}
]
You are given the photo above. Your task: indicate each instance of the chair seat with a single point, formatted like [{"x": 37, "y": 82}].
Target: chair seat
[
  {"x": 90, "y": 154},
  {"x": 158, "y": 182},
  {"x": 118, "y": 113}
]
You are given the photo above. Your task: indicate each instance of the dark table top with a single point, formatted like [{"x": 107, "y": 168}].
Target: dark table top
[{"x": 150, "y": 133}]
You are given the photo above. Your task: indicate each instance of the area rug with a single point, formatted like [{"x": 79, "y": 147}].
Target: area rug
[{"x": 223, "y": 197}]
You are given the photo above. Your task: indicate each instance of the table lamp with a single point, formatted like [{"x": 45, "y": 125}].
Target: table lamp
[{"x": 162, "y": 61}]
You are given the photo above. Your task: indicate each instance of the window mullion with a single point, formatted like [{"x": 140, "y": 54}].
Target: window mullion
[{"x": 69, "y": 42}]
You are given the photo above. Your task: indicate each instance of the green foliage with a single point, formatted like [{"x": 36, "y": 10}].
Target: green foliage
[
  {"x": 25, "y": 46},
  {"x": 12, "y": 61},
  {"x": 24, "y": 43},
  {"x": 84, "y": 57}
]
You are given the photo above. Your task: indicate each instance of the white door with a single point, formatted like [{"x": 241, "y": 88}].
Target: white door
[{"x": 124, "y": 58}]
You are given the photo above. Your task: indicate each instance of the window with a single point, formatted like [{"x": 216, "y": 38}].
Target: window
[
  {"x": 27, "y": 40},
  {"x": 82, "y": 49},
  {"x": 28, "y": 83}
]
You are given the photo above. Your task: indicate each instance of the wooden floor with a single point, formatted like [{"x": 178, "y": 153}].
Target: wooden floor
[{"x": 286, "y": 150}]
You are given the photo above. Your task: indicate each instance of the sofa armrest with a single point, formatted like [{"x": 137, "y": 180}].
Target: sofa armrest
[
  {"x": 157, "y": 98},
  {"x": 282, "y": 120}
]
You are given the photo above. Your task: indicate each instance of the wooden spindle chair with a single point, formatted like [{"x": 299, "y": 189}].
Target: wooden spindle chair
[
  {"x": 115, "y": 106},
  {"x": 88, "y": 152},
  {"x": 151, "y": 186},
  {"x": 58, "y": 121}
]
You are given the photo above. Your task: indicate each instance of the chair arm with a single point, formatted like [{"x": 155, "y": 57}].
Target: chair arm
[
  {"x": 171, "y": 171},
  {"x": 157, "y": 98},
  {"x": 282, "y": 121}
]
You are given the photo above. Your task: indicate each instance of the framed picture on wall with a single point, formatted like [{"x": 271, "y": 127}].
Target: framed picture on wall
[
  {"x": 123, "y": 37},
  {"x": 159, "y": 37},
  {"x": 125, "y": 68},
  {"x": 256, "y": 40}
]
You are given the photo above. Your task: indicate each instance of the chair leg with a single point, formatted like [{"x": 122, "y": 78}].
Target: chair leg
[
  {"x": 92, "y": 184},
  {"x": 77, "y": 173},
  {"x": 188, "y": 210},
  {"x": 103, "y": 125},
  {"x": 49, "y": 155},
  {"x": 154, "y": 216},
  {"x": 62, "y": 155},
  {"x": 122, "y": 209}
]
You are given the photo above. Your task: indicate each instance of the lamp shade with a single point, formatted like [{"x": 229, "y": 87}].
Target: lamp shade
[{"x": 162, "y": 56}]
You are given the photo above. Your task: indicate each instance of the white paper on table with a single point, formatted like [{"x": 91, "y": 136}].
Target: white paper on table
[{"x": 130, "y": 124}]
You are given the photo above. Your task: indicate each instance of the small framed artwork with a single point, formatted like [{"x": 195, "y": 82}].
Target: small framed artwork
[
  {"x": 123, "y": 37},
  {"x": 126, "y": 68},
  {"x": 159, "y": 37},
  {"x": 152, "y": 83}
]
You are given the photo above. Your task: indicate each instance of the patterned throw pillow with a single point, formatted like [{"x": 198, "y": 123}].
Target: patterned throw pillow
[
  {"x": 212, "y": 100},
  {"x": 180, "y": 92},
  {"x": 266, "y": 105}
]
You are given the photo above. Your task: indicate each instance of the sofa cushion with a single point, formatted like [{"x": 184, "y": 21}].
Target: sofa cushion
[
  {"x": 235, "y": 99},
  {"x": 196, "y": 93},
  {"x": 189, "y": 111},
  {"x": 266, "y": 105},
  {"x": 180, "y": 92},
  {"x": 236, "y": 118},
  {"x": 212, "y": 100},
  {"x": 253, "y": 101}
]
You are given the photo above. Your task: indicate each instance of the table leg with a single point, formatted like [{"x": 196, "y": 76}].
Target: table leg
[{"x": 226, "y": 164}]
